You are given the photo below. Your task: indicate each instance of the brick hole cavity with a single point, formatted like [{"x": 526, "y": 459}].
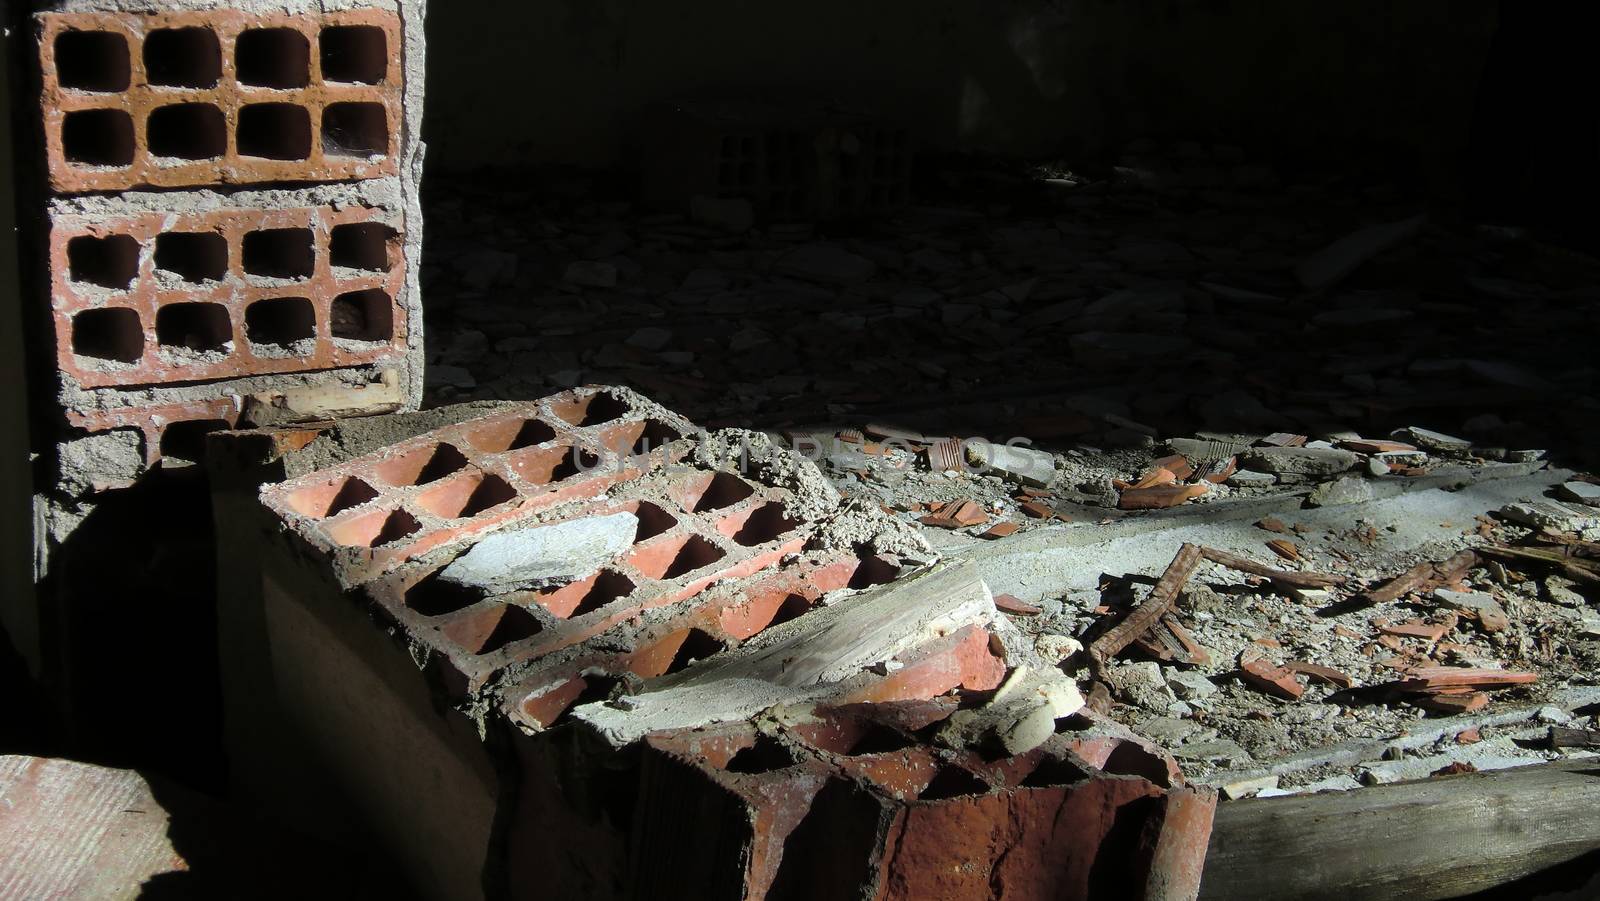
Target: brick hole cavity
[
  {"x": 194, "y": 257},
  {"x": 184, "y": 443},
  {"x": 467, "y": 496},
  {"x": 273, "y": 58},
  {"x": 197, "y": 327},
  {"x": 365, "y": 246},
  {"x": 591, "y": 409},
  {"x": 109, "y": 262},
  {"x": 758, "y": 525},
  {"x": 112, "y": 334},
  {"x": 187, "y": 131},
  {"x": 376, "y": 530},
  {"x": 433, "y": 596},
  {"x": 366, "y": 316},
  {"x": 697, "y": 645},
  {"x": 93, "y": 61},
  {"x": 586, "y": 595},
  {"x": 331, "y": 498},
  {"x": 547, "y": 466},
  {"x": 281, "y": 324},
  {"x": 422, "y": 466},
  {"x": 510, "y": 435},
  {"x": 288, "y": 253},
  {"x": 952, "y": 782},
  {"x": 355, "y": 130},
  {"x": 354, "y": 54},
  {"x": 98, "y": 138},
  {"x": 720, "y": 491},
  {"x": 765, "y": 755},
  {"x": 488, "y": 631},
  {"x": 676, "y": 558},
  {"x": 183, "y": 58},
  {"x": 275, "y": 131}
]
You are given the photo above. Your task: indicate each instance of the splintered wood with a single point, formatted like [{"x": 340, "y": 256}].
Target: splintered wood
[
  {"x": 1423, "y": 576},
  {"x": 1160, "y": 601},
  {"x": 1158, "y": 633}
]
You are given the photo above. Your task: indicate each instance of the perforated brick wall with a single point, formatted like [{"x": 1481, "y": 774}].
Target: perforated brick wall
[
  {"x": 188, "y": 99},
  {"x": 178, "y": 297}
]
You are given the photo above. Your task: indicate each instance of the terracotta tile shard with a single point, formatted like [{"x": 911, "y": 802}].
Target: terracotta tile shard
[
  {"x": 1273, "y": 524},
  {"x": 1160, "y": 498},
  {"x": 1002, "y": 530},
  {"x": 1459, "y": 768},
  {"x": 947, "y": 455},
  {"x": 1222, "y": 470},
  {"x": 1453, "y": 704},
  {"x": 956, "y": 515},
  {"x": 1284, "y": 439},
  {"x": 1285, "y": 549},
  {"x": 1469, "y": 736},
  {"x": 1016, "y": 606},
  {"x": 1344, "y": 632},
  {"x": 1325, "y": 674},
  {"x": 1376, "y": 446},
  {"x": 1277, "y": 681},
  {"x": 1430, "y": 679},
  {"x": 1416, "y": 629},
  {"x": 1423, "y": 576},
  {"x": 1038, "y": 510},
  {"x": 1178, "y": 465}
]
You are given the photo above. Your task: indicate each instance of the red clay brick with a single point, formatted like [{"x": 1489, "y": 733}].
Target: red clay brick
[
  {"x": 239, "y": 99},
  {"x": 458, "y": 482},
  {"x": 166, "y": 427},
  {"x": 164, "y": 297}
]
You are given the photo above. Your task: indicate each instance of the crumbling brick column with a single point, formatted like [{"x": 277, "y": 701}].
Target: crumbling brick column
[{"x": 225, "y": 230}]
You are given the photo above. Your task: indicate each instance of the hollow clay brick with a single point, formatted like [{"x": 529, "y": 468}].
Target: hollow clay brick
[{"x": 271, "y": 113}]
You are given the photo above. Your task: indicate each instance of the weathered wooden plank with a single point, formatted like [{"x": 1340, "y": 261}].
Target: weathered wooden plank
[{"x": 1414, "y": 841}]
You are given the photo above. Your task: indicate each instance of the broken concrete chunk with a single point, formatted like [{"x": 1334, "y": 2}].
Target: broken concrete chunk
[
  {"x": 1483, "y": 606},
  {"x": 1542, "y": 514},
  {"x": 543, "y": 557},
  {"x": 1056, "y": 648},
  {"x": 1310, "y": 461},
  {"x": 1436, "y": 441},
  {"x": 1249, "y": 478},
  {"x": 1585, "y": 493},
  {"x": 1021, "y": 716},
  {"x": 1190, "y": 686},
  {"x": 1245, "y": 788},
  {"x": 112, "y": 459},
  {"x": 1142, "y": 685},
  {"x": 1022, "y": 464},
  {"x": 1341, "y": 491}
]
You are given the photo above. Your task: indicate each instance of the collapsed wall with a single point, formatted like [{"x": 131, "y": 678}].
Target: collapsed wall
[{"x": 603, "y": 653}]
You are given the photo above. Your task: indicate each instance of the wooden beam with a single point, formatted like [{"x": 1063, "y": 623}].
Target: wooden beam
[{"x": 1413, "y": 841}]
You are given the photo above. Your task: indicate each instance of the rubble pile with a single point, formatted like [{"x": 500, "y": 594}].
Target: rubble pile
[
  {"x": 1186, "y": 341},
  {"x": 612, "y": 596}
]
